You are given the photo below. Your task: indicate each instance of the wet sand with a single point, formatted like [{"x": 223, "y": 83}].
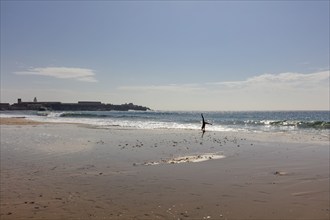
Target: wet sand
[
  {"x": 18, "y": 121},
  {"x": 67, "y": 171}
]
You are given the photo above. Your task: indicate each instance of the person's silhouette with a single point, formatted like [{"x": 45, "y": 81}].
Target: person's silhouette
[{"x": 204, "y": 123}]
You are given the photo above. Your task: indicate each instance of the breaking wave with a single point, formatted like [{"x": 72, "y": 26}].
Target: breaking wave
[{"x": 302, "y": 124}]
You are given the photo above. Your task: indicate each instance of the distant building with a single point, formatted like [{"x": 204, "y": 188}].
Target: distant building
[
  {"x": 4, "y": 106},
  {"x": 89, "y": 103},
  {"x": 80, "y": 106},
  {"x": 35, "y": 105}
]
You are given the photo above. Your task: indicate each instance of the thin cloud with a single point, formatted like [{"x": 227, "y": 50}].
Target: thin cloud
[
  {"x": 282, "y": 79},
  {"x": 283, "y": 91},
  {"x": 80, "y": 74}
]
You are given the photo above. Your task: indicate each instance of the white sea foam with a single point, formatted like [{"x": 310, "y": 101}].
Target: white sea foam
[
  {"x": 188, "y": 159},
  {"x": 55, "y": 117},
  {"x": 222, "y": 121}
]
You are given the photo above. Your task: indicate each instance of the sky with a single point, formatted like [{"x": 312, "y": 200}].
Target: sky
[{"x": 168, "y": 55}]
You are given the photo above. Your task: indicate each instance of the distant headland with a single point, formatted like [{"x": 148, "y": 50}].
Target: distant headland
[{"x": 80, "y": 106}]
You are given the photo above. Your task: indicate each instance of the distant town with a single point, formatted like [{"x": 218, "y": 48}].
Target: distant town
[{"x": 80, "y": 106}]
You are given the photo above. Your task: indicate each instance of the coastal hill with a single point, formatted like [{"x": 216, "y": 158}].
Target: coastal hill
[{"x": 80, "y": 106}]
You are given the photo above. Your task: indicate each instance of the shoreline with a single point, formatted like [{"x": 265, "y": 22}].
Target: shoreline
[
  {"x": 282, "y": 136},
  {"x": 54, "y": 170}
]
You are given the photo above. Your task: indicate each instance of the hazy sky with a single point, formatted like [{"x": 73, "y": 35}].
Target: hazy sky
[{"x": 172, "y": 55}]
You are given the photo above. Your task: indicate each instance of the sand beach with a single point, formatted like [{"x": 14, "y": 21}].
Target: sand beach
[{"x": 75, "y": 171}]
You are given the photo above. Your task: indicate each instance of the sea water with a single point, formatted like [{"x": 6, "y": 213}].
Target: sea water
[{"x": 256, "y": 121}]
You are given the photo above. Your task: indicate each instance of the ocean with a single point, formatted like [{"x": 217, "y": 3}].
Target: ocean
[{"x": 255, "y": 121}]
